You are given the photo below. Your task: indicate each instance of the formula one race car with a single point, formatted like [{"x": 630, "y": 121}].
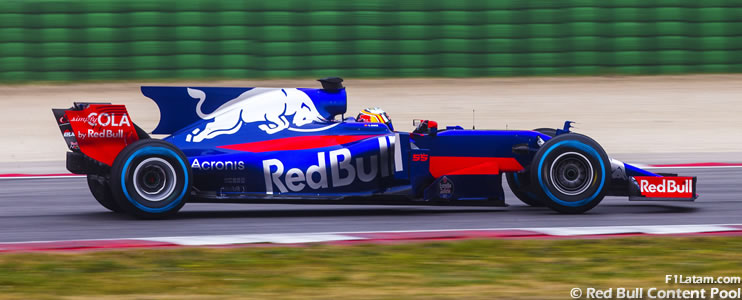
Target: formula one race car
[{"x": 294, "y": 145}]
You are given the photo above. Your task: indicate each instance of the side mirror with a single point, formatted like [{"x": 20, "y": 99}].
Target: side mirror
[
  {"x": 425, "y": 127},
  {"x": 433, "y": 128}
]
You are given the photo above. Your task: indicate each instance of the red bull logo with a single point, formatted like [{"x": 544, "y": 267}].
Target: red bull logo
[
  {"x": 666, "y": 187},
  {"x": 343, "y": 169},
  {"x": 274, "y": 110}
]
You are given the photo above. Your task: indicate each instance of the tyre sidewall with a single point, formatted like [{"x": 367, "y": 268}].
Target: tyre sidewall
[
  {"x": 519, "y": 184},
  {"x": 541, "y": 169},
  {"x": 122, "y": 179},
  {"x": 101, "y": 191}
]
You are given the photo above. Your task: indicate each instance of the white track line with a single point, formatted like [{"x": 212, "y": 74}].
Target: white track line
[
  {"x": 312, "y": 237},
  {"x": 285, "y": 238},
  {"x": 42, "y": 177},
  {"x": 643, "y": 166},
  {"x": 697, "y": 167},
  {"x": 294, "y": 238}
]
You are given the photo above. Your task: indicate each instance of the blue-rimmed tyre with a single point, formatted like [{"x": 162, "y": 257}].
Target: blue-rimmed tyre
[
  {"x": 151, "y": 179},
  {"x": 520, "y": 182},
  {"x": 571, "y": 173},
  {"x": 101, "y": 190},
  {"x": 520, "y": 185}
]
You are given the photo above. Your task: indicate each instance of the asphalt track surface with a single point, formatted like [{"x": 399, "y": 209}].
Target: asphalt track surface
[{"x": 49, "y": 209}]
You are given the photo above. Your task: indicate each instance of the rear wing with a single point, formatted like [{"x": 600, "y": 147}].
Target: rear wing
[{"x": 98, "y": 130}]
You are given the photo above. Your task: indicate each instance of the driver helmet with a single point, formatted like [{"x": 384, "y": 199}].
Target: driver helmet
[{"x": 375, "y": 115}]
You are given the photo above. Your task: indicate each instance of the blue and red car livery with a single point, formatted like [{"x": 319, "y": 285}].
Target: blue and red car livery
[{"x": 294, "y": 145}]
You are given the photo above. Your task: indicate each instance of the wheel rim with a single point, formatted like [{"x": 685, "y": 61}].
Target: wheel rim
[
  {"x": 154, "y": 179},
  {"x": 571, "y": 173}
]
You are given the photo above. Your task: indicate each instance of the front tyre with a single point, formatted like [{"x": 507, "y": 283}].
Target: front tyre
[
  {"x": 151, "y": 179},
  {"x": 519, "y": 184},
  {"x": 571, "y": 173}
]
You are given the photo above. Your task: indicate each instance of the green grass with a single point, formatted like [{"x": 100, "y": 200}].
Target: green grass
[{"x": 472, "y": 269}]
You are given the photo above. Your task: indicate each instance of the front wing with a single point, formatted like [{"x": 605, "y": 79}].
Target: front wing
[{"x": 662, "y": 188}]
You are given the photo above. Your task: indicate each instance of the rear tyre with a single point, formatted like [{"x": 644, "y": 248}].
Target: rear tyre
[
  {"x": 151, "y": 179},
  {"x": 571, "y": 173},
  {"x": 101, "y": 191},
  {"x": 519, "y": 183}
]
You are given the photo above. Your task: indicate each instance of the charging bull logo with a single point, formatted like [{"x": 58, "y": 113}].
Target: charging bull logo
[{"x": 271, "y": 108}]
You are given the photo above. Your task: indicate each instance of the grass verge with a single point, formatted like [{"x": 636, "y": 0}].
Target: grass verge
[{"x": 471, "y": 269}]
